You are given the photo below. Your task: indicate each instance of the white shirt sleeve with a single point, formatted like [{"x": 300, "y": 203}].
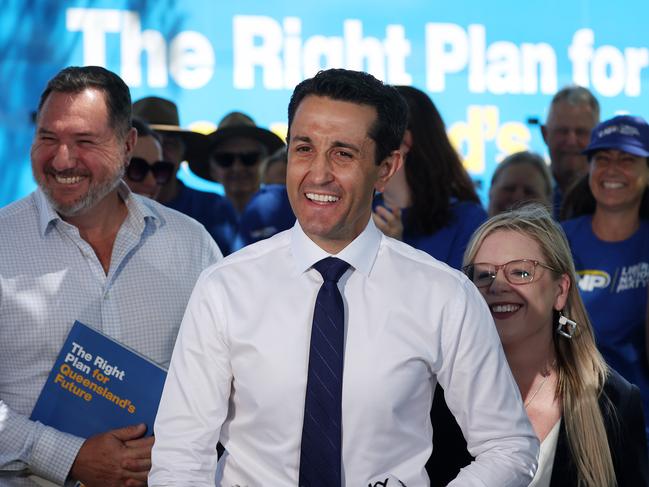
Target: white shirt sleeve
[
  {"x": 482, "y": 395},
  {"x": 194, "y": 401}
]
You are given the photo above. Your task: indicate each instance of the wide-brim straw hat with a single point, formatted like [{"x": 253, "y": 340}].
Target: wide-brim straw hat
[
  {"x": 235, "y": 124},
  {"x": 162, "y": 116}
]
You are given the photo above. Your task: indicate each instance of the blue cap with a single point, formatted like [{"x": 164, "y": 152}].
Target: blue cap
[{"x": 624, "y": 133}]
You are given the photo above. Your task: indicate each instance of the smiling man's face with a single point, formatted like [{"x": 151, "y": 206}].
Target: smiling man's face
[{"x": 332, "y": 172}]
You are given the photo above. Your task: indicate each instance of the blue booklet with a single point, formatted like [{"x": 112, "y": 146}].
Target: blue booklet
[{"x": 97, "y": 384}]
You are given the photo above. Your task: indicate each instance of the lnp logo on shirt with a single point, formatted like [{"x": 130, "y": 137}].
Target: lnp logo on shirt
[
  {"x": 626, "y": 278},
  {"x": 591, "y": 279},
  {"x": 633, "y": 276}
]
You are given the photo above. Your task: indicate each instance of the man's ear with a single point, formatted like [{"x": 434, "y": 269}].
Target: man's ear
[
  {"x": 387, "y": 168},
  {"x": 129, "y": 143}
]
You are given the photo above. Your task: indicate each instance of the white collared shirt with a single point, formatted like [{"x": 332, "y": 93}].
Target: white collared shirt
[{"x": 239, "y": 370}]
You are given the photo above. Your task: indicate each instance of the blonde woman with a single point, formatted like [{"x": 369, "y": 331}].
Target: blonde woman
[{"x": 588, "y": 418}]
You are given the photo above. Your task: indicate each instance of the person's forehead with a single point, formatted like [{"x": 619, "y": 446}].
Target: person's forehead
[
  {"x": 615, "y": 153},
  {"x": 523, "y": 172},
  {"x": 89, "y": 97},
  {"x": 317, "y": 113},
  {"x": 148, "y": 148},
  {"x": 170, "y": 138},
  {"x": 503, "y": 245},
  {"x": 565, "y": 114},
  {"x": 77, "y": 111}
]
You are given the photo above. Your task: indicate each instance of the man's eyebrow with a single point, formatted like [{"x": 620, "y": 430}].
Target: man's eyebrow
[
  {"x": 335, "y": 143},
  {"x": 346, "y": 145},
  {"x": 45, "y": 131},
  {"x": 301, "y": 138}
]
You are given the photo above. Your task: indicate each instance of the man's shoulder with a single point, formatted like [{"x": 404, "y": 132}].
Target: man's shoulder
[
  {"x": 617, "y": 387},
  {"x": 410, "y": 259},
  {"x": 468, "y": 209},
  {"x": 20, "y": 214},
  {"x": 18, "y": 208},
  {"x": 575, "y": 224},
  {"x": 170, "y": 218},
  {"x": 257, "y": 258}
]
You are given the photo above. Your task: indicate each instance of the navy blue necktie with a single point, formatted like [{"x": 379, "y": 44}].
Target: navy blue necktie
[{"x": 321, "y": 451}]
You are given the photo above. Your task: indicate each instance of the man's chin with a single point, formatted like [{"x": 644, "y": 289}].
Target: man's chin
[
  {"x": 82, "y": 204},
  {"x": 70, "y": 208}
]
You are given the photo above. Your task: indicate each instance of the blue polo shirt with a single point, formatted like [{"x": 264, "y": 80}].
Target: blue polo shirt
[
  {"x": 268, "y": 212},
  {"x": 214, "y": 211}
]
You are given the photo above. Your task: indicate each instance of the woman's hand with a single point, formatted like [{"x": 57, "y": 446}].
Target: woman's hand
[{"x": 389, "y": 221}]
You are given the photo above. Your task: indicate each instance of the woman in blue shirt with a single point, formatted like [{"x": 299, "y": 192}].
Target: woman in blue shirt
[
  {"x": 431, "y": 202},
  {"x": 609, "y": 239}
]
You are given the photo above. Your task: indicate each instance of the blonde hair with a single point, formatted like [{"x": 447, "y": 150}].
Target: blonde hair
[{"x": 580, "y": 367}]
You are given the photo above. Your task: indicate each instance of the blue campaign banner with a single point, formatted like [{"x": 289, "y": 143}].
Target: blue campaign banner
[{"x": 490, "y": 67}]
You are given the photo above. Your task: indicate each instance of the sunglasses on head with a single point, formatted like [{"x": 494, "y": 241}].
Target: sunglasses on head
[
  {"x": 138, "y": 168},
  {"x": 226, "y": 159}
]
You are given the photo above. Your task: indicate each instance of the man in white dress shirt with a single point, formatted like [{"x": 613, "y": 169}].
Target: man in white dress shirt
[{"x": 239, "y": 370}]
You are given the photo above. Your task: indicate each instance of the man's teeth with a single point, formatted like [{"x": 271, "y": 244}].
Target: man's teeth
[
  {"x": 504, "y": 308},
  {"x": 322, "y": 198},
  {"x": 68, "y": 180},
  {"x": 612, "y": 185}
]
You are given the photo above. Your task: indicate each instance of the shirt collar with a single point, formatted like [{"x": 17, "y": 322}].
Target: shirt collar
[
  {"x": 360, "y": 253},
  {"x": 138, "y": 212}
]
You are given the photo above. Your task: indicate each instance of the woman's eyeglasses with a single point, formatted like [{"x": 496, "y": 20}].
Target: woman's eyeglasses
[
  {"x": 226, "y": 159},
  {"x": 517, "y": 272},
  {"x": 138, "y": 168}
]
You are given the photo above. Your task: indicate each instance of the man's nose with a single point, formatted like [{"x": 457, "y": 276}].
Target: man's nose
[
  {"x": 321, "y": 169},
  {"x": 64, "y": 158},
  {"x": 572, "y": 137}
]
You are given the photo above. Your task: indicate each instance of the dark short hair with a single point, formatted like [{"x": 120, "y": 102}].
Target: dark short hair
[
  {"x": 145, "y": 130},
  {"x": 75, "y": 79},
  {"x": 363, "y": 89}
]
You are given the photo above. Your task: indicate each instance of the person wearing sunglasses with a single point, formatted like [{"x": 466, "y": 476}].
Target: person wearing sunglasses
[
  {"x": 146, "y": 173},
  {"x": 588, "y": 418},
  {"x": 212, "y": 210},
  {"x": 237, "y": 149}
]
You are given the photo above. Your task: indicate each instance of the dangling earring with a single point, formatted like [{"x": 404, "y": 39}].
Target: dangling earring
[{"x": 566, "y": 326}]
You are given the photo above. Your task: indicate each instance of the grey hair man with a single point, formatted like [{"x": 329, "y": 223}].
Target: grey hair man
[{"x": 573, "y": 113}]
